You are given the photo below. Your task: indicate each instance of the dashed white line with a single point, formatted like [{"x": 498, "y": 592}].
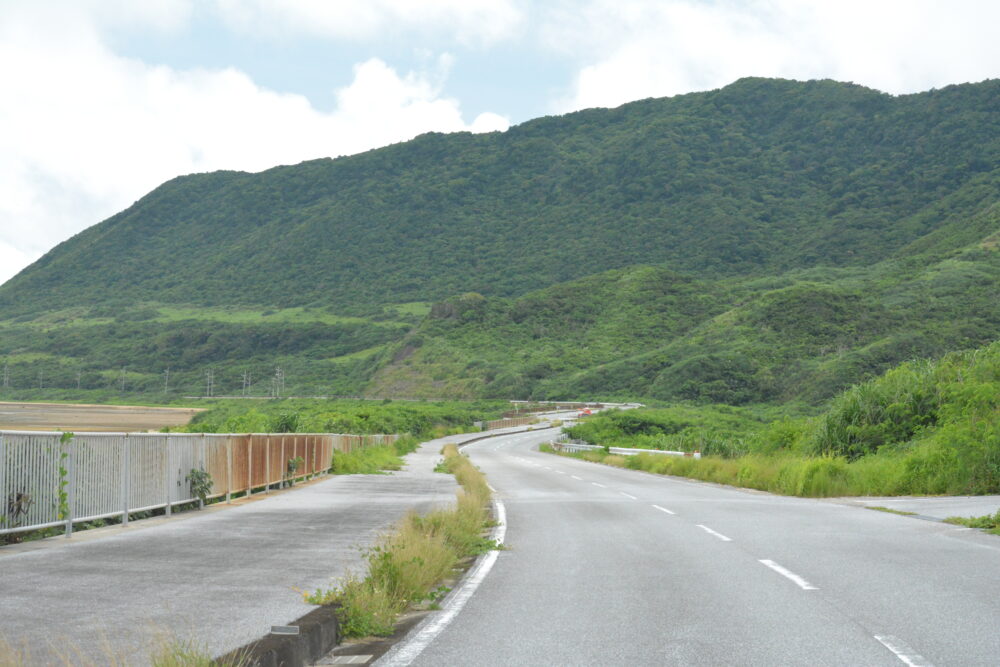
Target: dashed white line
[
  {"x": 628, "y": 495},
  {"x": 560, "y": 472},
  {"x": 902, "y": 651},
  {"x": 579, "y": 479},
  {"x": 600, "y": 485},
  {"x": 663, "y": 509},
  {"x": 713, "y": 533},
  {"x": 802, "y": 583}
]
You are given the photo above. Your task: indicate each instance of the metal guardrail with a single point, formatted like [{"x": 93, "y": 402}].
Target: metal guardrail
[
  {"x": 46, "y": 482},
  {"x": 623, "y": 451}
]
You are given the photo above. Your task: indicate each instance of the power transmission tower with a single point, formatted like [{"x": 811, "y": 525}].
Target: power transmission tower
[
  {"x": 209, "y": 382},
  {"x": 247, "y": 381},
  {"x": 277, "y": 382}
]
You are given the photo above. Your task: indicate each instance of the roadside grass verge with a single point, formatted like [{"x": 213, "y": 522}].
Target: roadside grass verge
[
  {"x": 407, "y": 566},
  {"x": 990, "y": 523},
  {"x": 785, "y": 474}
]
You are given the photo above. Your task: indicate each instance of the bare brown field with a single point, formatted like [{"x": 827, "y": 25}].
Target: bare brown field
[{"x": 62, "y": 417}]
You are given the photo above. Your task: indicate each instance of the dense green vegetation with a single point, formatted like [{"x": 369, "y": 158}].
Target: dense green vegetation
[
  {"x": 922, "y": 428},
  {"x": 648, "y": 332},
  {"x": 422, "y": 420}
]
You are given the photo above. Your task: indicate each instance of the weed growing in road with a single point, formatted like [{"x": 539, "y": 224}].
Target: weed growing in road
[
  {"x": 990, "y": 522},
  {"x": 407, "y": 565},
  {"x": 879, "y": 508}
]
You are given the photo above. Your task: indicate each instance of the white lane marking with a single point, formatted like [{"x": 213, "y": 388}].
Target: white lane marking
[
  {"x": 663, "y": 509},
  {"x": 902, "y": 651},
  {"x": 560, "y": 472},
  {"x": 628, "y": 495},
  {"x": 802, "y": 583},
  {"x": 712, "y": 532},
  {"x": 406, "y": 652},
  {"x": 579, "y": 479},
  {"x": 600, "y": 485}
]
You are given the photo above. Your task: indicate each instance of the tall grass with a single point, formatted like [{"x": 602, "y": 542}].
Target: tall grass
[{"x": 406, "y": 565}]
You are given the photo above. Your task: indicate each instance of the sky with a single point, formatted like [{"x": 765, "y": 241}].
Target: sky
[{"x": 103, "y": 100}]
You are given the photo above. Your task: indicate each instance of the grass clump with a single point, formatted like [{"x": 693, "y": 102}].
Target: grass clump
[
  {"x": 989, "y": 523},
  {"x": 879, "y": 508},
  {"x": 406, "y": 566}
]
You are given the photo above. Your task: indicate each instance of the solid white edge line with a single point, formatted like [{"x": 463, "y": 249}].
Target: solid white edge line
[
  {"x": 902, "y": 651},
  {"x": 628, "y": 495},
  {"x": 712, "y": 532},
  {"x": 663, "y": 509},
  {"x": 405, "y": 653},
  {"x": 802, "y": 583}
]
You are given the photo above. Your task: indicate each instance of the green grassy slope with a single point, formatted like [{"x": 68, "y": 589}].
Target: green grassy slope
[
  {"x": 760, "y": 177},
  {"x": 651, "y": 333}
]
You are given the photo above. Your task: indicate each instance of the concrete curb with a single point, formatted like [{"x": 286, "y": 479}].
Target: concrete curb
[{"x": 319, "y": 632}]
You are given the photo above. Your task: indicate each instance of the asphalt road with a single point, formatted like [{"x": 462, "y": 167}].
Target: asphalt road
[{"x": 615, "y": 567}]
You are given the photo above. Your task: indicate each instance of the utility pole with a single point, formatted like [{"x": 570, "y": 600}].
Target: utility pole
[
  {"x": 247, "y": 381},
  {"x": 209, "y": 382},
  {"x": 6, "y": 375},
  {"x": 78, "y": 374},
  {"x": 123, "y": 379},
  {"x": 166, "y": 380}
]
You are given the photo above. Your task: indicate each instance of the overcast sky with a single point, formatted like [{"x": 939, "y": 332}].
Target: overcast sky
[{"x": 103, "y": 100}]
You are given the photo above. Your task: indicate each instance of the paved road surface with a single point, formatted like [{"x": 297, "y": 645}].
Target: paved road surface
[
  {"x": 222, "y": 577},
  {"x": 615, "y": 567}
]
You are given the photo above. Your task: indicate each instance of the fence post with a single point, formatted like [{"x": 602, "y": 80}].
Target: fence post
[
  {"x": 3, "y": 478},
  {"x": 126, "y": 463},
  {"x": 71, "y": 486},
  {"x": 201, "y": 465},
  {"x": 267, "y": 465},
  {"x": 229, "y": 469},
  {"x": 284, "y": 464},
  {"x": 167, "y": 476},
  {"x": 249, "y": 465}
]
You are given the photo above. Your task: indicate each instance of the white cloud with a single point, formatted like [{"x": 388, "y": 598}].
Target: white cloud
[
  {"x": 471, "y": 22},
  {"x": 84, "y": 132},
  {"x": 652, "y": 48}
]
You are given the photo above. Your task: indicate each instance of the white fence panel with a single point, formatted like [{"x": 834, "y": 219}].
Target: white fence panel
[
  {"x": 29, "y": 480},
  {"x": 97, "y": 470},
  {"x": 44, "y": 482}
]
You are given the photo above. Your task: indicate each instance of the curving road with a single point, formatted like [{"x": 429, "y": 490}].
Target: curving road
[{"x": 615, "y": 567}]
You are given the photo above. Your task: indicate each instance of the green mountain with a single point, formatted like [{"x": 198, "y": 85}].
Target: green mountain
[{"x": 768, "y": 240}]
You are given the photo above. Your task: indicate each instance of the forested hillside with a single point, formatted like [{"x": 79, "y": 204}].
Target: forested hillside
[
  {"x": 647, "y": 332},
  {"x": 766, "y": 241},
  {"x": 758, "y": 177}
]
